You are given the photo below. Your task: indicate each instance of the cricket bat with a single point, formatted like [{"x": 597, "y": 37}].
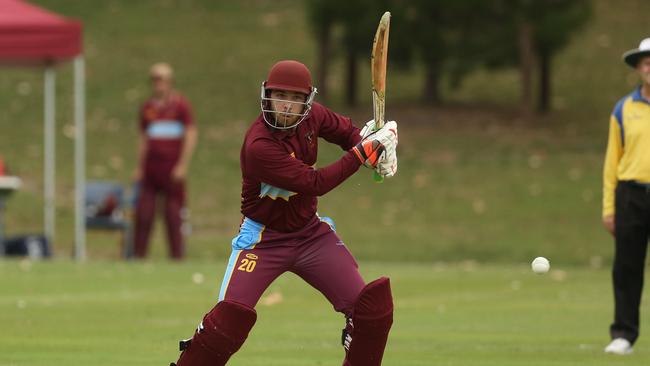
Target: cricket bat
[{"x": 378, "y": 61}]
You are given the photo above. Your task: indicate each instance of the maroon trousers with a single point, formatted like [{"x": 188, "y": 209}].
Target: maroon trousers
[
  {"x": 316, "y": 254},
  {"x": 157, "y": 183}
]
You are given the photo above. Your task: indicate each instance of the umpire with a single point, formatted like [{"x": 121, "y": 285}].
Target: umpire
[{"x": 626, "y": 200}]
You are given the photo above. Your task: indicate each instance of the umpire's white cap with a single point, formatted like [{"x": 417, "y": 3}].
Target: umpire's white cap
[{"x": 633, "y": 56}]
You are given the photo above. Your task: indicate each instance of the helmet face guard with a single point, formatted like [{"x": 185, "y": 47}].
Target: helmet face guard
[{"x": 269, "y": 114}]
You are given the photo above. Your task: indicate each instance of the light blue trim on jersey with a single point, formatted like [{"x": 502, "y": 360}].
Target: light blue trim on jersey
[
  {"x": 275, "y": 192},
  {"x": 250, "y": 233},
  {"x": 618, "y": 114},
  {"x": 229, "y": 270},
  {"x": 328, "y": 221},
  {"x": 165, "y": 129}
]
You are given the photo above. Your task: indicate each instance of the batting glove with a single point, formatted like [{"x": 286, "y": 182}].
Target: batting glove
[
  {"x": 372, "y": 149},
  {"x": 368, "y": 128},
  {"x": 387, "y": 167}
]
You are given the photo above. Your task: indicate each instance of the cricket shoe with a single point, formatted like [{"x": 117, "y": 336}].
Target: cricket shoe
[{"x": 619, "y": 346}]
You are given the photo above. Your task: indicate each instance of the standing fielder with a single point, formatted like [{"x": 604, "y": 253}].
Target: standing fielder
[
  {"x": 167, "y": 140},
  {"x": 281, "y": 230}
]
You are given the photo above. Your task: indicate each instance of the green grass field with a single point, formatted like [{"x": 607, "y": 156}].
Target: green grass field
[{"x": 466, "y": 314}]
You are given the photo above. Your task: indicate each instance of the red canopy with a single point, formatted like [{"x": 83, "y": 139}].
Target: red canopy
[{"x": 29, "y": 34}]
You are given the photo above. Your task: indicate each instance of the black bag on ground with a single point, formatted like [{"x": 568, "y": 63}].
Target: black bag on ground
[{"x": 33, "y": 246}]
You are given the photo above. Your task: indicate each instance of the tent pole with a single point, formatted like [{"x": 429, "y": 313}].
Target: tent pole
[
  {"x": 79, "y": 157},
  {"x": 50, "y": 151}
]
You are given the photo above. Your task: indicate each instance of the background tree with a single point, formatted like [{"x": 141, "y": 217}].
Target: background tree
[
  {"x": 526, "y": 34},
  {"x": 321, "y": 15},
  {"x": 425, "y": 21},
  {"x": 453, "y": 38},
  {"x": 555, "y": 22},
  {"x": 357, "y": 21}
]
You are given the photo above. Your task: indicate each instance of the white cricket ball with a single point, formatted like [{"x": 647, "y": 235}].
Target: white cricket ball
[
  {"x": 540, "y": 265},
  {"x": 197, "y": 278}
]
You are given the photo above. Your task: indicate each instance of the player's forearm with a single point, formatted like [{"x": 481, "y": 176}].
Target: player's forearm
[
  {"x": 609, "y": 186},
  {"x": 189, "y": 144},
  {"x": 610, "y": 168},
  {"x": 334, "y": 174},
  {"x": 142, "y": 149},
  {"x": 318, "y": 182},
  {"x": 297, "y": 177},
  {"x": 608, "y": 199},
  {"x": 336, "y": 128}
]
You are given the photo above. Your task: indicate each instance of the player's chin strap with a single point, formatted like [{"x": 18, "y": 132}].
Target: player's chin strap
[
  {"x": 268, "y": 113},
  {"x": 366, "y": 332}
]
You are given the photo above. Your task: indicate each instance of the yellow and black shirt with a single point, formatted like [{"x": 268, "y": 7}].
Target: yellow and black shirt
[{"x": 628, "y": 146}]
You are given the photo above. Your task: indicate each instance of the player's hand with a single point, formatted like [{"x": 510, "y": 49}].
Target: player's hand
[
  {"x": 368, "y": 128},
  {"x": 372, "y": 149},
  {"x": 179, "y": 173},
  {"x": 137, "y": 174},
  {"x": 609, "y": 223},
  {"x": 387, "y": 167}
]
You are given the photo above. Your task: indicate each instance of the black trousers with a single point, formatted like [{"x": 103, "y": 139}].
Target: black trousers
[{"x": 632, "y": 222}]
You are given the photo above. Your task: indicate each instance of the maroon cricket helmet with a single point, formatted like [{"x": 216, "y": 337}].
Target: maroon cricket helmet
[
  {"x": 290, "y": 75},
  {"x": 287, "y": 75}
]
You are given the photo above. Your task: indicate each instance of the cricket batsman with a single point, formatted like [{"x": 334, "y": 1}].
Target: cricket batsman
[{"x": 281, "y": 230}]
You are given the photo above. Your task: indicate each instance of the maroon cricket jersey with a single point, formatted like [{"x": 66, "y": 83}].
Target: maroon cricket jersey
[
  {"x": 164, "y": 125},
  {"x": 280, "y": 183}
]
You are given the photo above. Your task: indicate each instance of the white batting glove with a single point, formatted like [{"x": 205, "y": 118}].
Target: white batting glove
[
  {"x": 368, "y": 129},
  {"x": 373, "y": 148},
  {"x": 387, "y": 135},
  {"x": 387, "y": 167}
]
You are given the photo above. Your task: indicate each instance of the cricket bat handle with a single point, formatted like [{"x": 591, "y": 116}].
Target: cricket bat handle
[
  {"x": 378, "y": 109},
  {"x": 378, "y": 178}
]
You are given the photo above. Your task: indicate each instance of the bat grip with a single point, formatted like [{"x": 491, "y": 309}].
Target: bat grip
[
  {"x": 378, "y": 117},
  {"x": 377, "y": 177}
]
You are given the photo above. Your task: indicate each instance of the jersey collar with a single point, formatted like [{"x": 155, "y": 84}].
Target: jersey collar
[{"x": 638, "y": 97}]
